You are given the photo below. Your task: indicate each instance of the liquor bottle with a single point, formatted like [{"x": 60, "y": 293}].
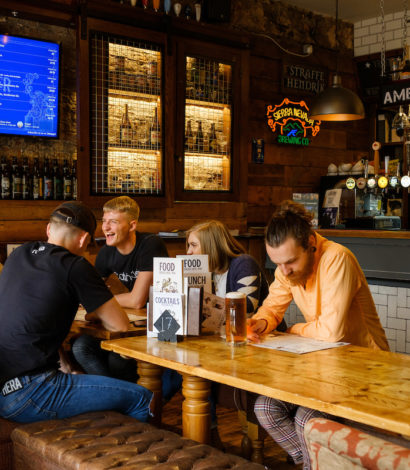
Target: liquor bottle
[
  {"x": 16, "y": 192},
  {"x": 199, "y": 142},
  {"x": 25, "y": 180},
  {"x": 67, "y": 182},
  {"x": 155, "y": 131},
  {"x": 47, "y": 181},
  {"x": 213, "y": 142},
  {"x": 125, "y": 129},
  {"x": 189, "y": 137},
  {"x": 74, "y": 178},
  {"x": 206, "y": 142},
  {"x": 5, "y": 179},
  {"x": 37, "y": 181},
  {"x": 57, "y": 180}
]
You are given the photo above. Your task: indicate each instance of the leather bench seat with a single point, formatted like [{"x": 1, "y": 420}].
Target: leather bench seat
[
  {"x": 6, "y": 445},
  {"x": 106, "y": 440}
]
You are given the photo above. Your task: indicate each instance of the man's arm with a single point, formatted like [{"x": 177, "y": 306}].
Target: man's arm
[
  {"x": 111, "y": 315},
  {"x": 138, "y": 296},
  {"x": 339, "y": 283}
]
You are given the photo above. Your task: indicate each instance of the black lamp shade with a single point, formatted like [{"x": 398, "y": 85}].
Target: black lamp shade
[{"x": 337, "y": 104}]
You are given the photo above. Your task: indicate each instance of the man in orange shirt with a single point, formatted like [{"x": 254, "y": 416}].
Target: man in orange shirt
[{"x": 329, "y": 287}]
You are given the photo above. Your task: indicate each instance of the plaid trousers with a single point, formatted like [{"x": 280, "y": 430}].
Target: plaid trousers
[{"x": 285, "y": 422}]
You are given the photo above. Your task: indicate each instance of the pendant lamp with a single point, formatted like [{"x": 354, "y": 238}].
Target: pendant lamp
[{"x": 337, "y": 103}]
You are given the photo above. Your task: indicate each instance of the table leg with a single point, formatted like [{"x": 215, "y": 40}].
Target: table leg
[
  {"x": 150, "y": 378},
  {"x": 196, "y": 417}
]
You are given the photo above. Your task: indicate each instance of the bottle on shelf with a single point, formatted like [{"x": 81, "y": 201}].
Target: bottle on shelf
[
  {"x": 199, "y": 141},
  {"x": 74, "y": 179},
  {"x": 57, "y": 181},
  {"x": 5, "y": 178},
  {"x": 189, "y": 137},
  {"x": 213, "y": 142},
  {"x": 67, "y": 182},
  {"x": 47, "y": 181},
  {"x": 16, "y": 189},
  {"x": 155, "y": 131},
  {"x": 25, "y": 180},
  {"x": 206, "y": 142},
  {"x": 125, "y": 129},
  {"x": 37, "y": 181}
]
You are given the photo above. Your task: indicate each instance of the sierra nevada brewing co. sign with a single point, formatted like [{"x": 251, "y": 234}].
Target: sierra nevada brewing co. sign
[{"x": 291, "y": 120}]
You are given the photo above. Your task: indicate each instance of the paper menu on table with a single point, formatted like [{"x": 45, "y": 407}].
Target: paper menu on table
[
  {"x": 168, "y": 275},
  {"x": 294, "y": 343}
]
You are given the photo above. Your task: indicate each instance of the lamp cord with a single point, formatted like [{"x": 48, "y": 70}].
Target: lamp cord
[
  {"x": 337, "y": 37},
  {"x": 281, "y": 47}
]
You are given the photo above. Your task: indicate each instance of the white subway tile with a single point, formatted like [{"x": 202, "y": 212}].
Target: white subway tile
[
  {"x": 396, "y": 323},
  {"x": 408, "y": 301},
  {"x": 389, "y": 35},
  {"x": 357, "y": 42},
  {"x": 392, "y": 345},
  {"x": 408, "y": 331},
  {"x": 388, "y": 17},
  {"x": 374, "y": 289},
  {"x": 382, "y": 312},
  {"x": 376, "y": 28},
  {"x": 408, "y": 348},
  {"x": 403, "y": 313},
  {"x": 388, "y": 290},
  {"x": 380, "y": 299},
  {"x": 363, "y": 50},
  {"x": 395, "y": 44},
  {"x": 360, "y": 32},
  {"x": 390, "y": 333},
  {"x": 401, "y": 297},
  {"x": 370, "y": 39},
  {"x": 392, "y": 305},
  {"x": 395, "y": 24},
  {"x": 398, "y": 15},
  {"x": 401, "y": 341},
  {"x": 369, "y": 21},
  {"x": 397, "y": 34}
]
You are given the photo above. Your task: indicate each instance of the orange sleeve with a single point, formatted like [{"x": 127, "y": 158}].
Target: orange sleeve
[
  {"x": 339, "y": 280},
  {"x": 276, "y": 303}
]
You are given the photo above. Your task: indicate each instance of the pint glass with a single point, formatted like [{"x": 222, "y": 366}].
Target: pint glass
[{"x": 235, "y": 310}]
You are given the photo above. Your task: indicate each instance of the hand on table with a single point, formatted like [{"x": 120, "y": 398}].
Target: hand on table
[{"x": 255, "y": 328}]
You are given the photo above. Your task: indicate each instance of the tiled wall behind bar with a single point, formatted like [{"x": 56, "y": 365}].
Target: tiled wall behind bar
[
  {"x": 368, "y": 34},
  {"x": 393, "y": 306}
]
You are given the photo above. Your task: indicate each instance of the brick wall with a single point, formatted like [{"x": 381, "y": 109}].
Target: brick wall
[
  {"x": 368, "y": 34},
  {"x": 393, "y": 307}
]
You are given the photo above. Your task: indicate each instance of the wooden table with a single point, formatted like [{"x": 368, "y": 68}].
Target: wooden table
[
  {"x": 97, "y": 330},
  {"x": 371, "y": 387}
]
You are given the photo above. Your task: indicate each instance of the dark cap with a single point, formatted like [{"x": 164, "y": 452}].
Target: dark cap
[{"x": 77, "y": 214}]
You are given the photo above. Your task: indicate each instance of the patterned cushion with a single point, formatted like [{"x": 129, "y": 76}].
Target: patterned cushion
[{"x": 335, "y": 445}]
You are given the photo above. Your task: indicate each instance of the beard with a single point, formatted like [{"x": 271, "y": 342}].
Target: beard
[{"x": 298, "y": 278}]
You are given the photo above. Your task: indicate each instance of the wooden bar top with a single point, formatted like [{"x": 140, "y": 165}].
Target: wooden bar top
[
  {"x": 371, "y": 387},
  {"x": 398, "y": 234}
]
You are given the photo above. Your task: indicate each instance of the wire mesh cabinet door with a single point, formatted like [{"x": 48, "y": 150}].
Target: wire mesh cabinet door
[
  {"x": 208, "y": 128},
  {"x": 126, "y": 144}
]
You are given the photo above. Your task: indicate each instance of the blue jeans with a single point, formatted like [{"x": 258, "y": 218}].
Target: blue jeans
[
  {"x": 94, "y": 360},
  {"x": 55, "y": 395}
]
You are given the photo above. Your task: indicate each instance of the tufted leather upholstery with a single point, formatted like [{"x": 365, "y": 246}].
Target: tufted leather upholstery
[
  {"x": 105, "y": 440},
  {"x": 6, "y": 449}
]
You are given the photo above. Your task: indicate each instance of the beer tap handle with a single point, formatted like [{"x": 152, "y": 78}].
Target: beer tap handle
[{"x": 376, "y": 146}]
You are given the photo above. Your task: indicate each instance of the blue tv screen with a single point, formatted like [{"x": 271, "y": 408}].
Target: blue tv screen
[{"x": 29, "y": 86}]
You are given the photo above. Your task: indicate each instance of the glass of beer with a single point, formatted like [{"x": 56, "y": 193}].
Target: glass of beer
[{"x": 235, "y": 311}]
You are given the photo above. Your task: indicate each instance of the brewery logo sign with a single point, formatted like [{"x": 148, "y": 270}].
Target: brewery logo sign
[
  {"x": 290, "y": 120},
  {"x": 301, "y": 78}
]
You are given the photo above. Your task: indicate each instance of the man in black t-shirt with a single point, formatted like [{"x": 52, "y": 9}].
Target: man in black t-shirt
[
  {"x": 128, "y": 254},
  {"x": 41, "y": 286}
]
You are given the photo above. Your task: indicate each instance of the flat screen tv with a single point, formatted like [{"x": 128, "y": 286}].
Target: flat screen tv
[{"x": 29, "y": 86}]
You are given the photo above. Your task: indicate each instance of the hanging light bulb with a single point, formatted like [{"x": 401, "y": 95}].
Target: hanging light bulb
[{"x": 337, "y": 103}]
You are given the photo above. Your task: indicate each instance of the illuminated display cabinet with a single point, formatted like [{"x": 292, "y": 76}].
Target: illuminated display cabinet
[{"x": 163, "y": 119}]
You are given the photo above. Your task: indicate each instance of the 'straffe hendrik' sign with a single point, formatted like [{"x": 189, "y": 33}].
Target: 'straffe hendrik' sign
[
  {"x": 306, "y": 79},
  {"x": 397, "y": 93},
  {"x": 291, "y": 120}
]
